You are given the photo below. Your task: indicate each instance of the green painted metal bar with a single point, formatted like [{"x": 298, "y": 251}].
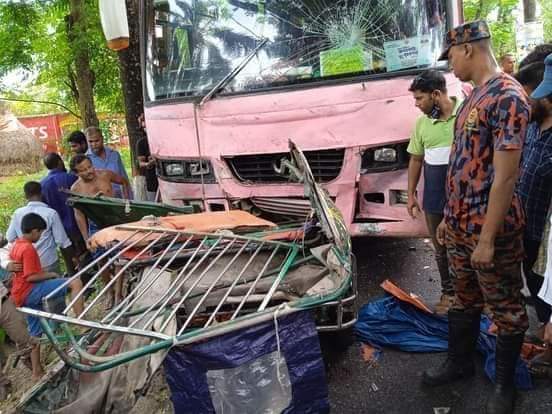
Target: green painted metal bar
[{"x": 130, "y": 356}]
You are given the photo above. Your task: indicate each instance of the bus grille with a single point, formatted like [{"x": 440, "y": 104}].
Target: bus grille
[
  {"x": 325, "y": 165},
  {"x": 293, "y": 207}
]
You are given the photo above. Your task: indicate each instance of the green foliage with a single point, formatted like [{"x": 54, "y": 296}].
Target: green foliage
[
  {"x": 104, "y": 62},
  {"x": 34, "y": 37},
  {"x": 126, "y": 158},
  {"x": 546, "y": 6},
  {"x": 16, "y": 33},
  {"x": 503, "y": 27},
  {"x": 12, "y": 197}
]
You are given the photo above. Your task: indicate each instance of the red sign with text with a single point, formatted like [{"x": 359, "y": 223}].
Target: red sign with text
[{"x": 46, "y": 129}]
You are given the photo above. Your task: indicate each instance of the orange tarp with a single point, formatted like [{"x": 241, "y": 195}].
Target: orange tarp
[
  {"x": 400, "y": 294},
  {"x": 236, "y": 221}
]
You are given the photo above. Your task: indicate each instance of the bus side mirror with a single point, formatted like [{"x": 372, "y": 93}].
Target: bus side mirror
[{"x": 113, "y": 15}]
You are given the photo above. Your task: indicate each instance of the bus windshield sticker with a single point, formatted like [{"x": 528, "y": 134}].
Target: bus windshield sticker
[{"x": 408, "y": 53}]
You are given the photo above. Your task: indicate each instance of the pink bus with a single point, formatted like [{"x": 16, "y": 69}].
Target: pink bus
[{"x": 228, "y": 82}]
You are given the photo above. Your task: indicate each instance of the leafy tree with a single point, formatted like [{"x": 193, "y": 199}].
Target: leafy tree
[
  {"x": 503, "y": 27},
  {"x": 546, "y": 6},
  {"x": 16, "y": 31},
  {"x": 54, "y": 52}
]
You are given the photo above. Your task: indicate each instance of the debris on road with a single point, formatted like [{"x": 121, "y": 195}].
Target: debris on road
[
  {"x": 369, "y": 353},
  {"x": 404, "y": 322}
]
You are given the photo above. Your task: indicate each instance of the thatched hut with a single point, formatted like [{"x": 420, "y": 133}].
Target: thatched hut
[{"x": 20, "y": 151}]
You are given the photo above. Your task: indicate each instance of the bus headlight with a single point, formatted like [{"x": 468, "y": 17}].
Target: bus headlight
[
  {"x": 174, "y": 169},
  {"x": 385, "y": 158},
  {"x": 385, "y": 155},
  {"x": 186, "y": 171}
]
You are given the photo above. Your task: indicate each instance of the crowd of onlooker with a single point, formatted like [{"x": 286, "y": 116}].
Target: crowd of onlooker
[
  {"x": 29, "y": 258},
  {"x": 486, "y": 159}
]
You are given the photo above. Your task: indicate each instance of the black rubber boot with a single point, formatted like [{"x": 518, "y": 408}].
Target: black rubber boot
[
  {"x": 463, "y": 334},
  {"x": 503, "y": 398}
]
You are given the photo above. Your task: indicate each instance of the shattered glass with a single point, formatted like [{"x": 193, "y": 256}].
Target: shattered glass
[{"x": 193, "y": 44}]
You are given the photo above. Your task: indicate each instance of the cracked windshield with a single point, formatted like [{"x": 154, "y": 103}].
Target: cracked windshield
[{"x": 193, "y": 45}]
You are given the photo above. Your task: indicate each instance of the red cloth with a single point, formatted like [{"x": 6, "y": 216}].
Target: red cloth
[{"x": 24, "y": 252}]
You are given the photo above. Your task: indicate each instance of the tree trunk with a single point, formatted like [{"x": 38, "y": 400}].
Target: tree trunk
[
  {"x": 529, "y": 11},
  {"x": 84, "y": 77},
  {"x": 131, "y": 79}
]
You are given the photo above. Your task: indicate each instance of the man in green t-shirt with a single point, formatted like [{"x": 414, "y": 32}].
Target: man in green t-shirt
[{"x": 429, "y": 150}]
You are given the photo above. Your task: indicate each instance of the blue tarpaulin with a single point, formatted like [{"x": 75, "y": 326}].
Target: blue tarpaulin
[
  {"x": 242, "y": 372},
  {"x": 388, "y": 322}
]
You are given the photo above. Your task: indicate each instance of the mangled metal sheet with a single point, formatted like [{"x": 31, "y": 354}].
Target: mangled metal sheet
[{"x": 223, "y": 271}]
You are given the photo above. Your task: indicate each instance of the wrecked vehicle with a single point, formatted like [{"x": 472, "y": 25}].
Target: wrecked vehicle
[{"x": 194, "y": 277}]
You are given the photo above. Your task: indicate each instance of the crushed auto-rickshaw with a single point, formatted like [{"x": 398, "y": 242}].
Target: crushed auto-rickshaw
[{"x": 192, "y": 277}]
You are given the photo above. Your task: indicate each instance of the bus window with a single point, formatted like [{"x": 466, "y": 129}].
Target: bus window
[{"x": 193, "y": 44}]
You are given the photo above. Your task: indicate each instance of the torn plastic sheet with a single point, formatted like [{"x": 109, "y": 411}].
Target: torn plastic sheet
[
  {"x": 388, "y": 322},
  {"x": 262, "y": 383},
  {"x": 242, "y": 372}
]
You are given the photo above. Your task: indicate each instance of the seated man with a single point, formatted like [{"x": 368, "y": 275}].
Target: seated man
[
  {"x": 11, "y": 320},
  {"x": 32, "y": 284}
]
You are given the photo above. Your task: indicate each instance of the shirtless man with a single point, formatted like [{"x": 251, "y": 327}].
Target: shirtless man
[{"x": 94, "y": 182}]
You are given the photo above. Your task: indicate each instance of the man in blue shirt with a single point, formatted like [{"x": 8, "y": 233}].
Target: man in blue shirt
[
  {"x": 105, "y": 158},
  {"x": 54, "y": 193},
  {"x": 535, "y": 182}
]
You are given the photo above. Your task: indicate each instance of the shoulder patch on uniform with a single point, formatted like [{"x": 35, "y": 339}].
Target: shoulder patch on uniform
[{"x": 472, "y": 120}]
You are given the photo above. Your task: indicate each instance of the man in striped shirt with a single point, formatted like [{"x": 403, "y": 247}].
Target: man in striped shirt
[{"x": 429, "y": 150}]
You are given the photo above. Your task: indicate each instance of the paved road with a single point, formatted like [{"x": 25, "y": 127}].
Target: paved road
[{"x": 397, "y": 374}]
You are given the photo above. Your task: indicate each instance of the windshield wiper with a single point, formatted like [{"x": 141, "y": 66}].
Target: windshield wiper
[{"x": 228, "y": 78}]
